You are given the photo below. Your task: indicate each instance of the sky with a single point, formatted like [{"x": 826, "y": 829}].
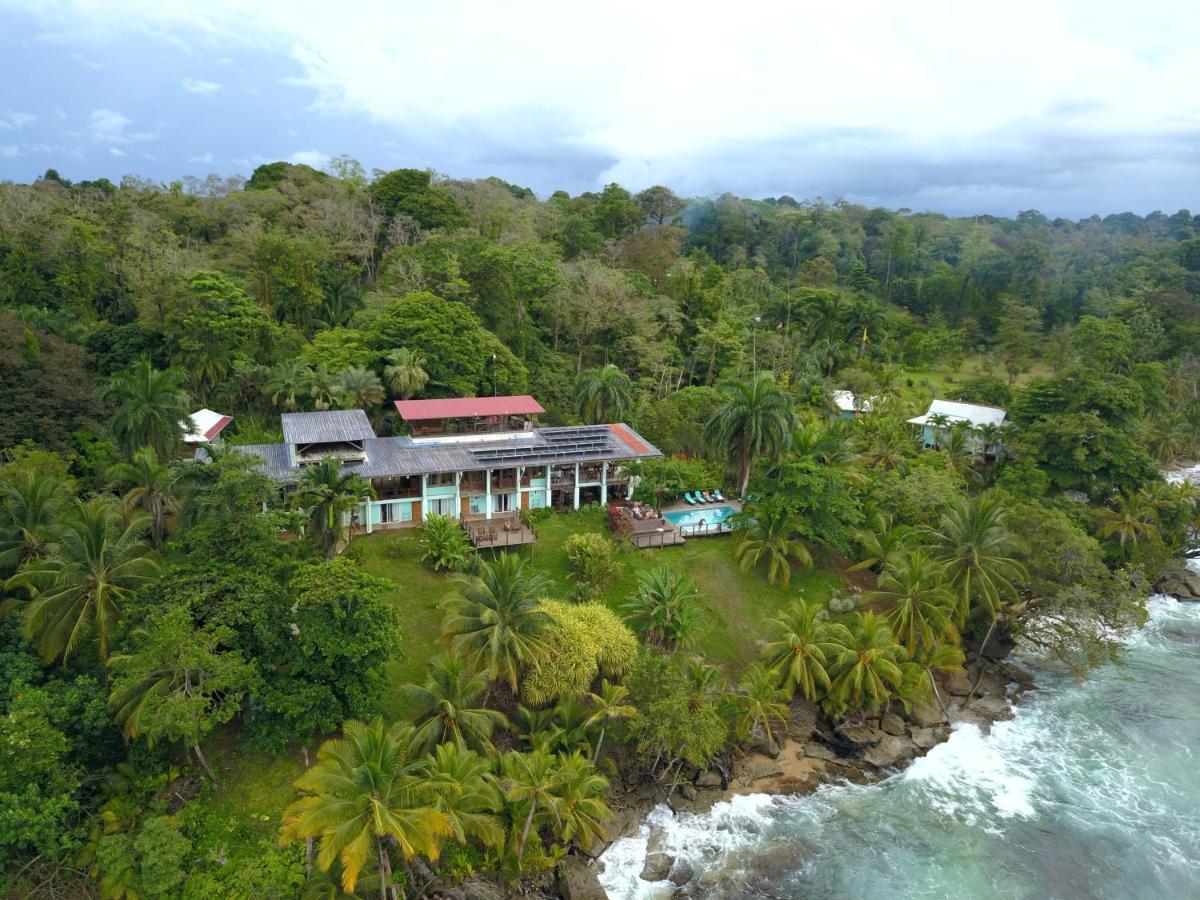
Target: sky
[{"x": 1072, "y": 108}]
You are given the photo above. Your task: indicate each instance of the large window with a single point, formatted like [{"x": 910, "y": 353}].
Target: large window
[
  {"x": 441, "y": 506},
  {"x": 441, "y": 479}
]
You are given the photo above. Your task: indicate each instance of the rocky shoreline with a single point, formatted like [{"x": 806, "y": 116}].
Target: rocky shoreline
[{"x": 814, "y": 751}]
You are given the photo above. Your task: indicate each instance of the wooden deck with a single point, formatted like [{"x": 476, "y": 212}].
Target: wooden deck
[
  {"x": 491, "y": 533},
  {"x": 650, "y": 532}
]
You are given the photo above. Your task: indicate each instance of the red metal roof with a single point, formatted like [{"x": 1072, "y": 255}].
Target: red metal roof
[{"x": 461, "y": 407}]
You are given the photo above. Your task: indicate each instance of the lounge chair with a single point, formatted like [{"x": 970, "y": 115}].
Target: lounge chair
[
  {"x": 705, "y": 496},
  {"x": 717, "y": 494},
  {"x": 688, "y": 497}
]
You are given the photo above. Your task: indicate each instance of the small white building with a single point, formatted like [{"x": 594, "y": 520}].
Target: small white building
[
  {"x": 848, "y": 405},
  {"x": 204, "y": 426},
  {"x": 944, "y": 415}
]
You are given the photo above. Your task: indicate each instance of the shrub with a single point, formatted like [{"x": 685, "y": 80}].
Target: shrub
[
  {"x": 586, "y": 640},
  {"x": 592, "y": 559},
  {"x": 443, "y": 543}
]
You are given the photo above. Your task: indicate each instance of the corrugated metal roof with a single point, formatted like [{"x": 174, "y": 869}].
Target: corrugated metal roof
[
  {"x": 972, "y": 413},
  {"x": 329, "y": 427},
  {"x": 461, "y": 407},
  {"x": 205, "y": 425},
  {"x": 397, "y": 456}
]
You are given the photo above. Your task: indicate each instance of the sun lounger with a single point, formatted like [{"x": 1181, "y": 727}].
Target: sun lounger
[
  {"x": 717, "y": 494},
  {"x": 688, "y": 497}
]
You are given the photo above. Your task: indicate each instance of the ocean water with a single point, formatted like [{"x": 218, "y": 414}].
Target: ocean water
[{"x": 1091, "y": 791}]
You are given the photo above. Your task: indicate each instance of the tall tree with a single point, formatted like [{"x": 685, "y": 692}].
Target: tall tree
[
  {"x": 610, "y": 705},
  {"x": 495, "y": 621},
  {"x": 366, "y": 793},
  {"x": 404, "y": 372},
  {"x": 150, "y": 409},
  {"x": 918, "y": 601},
  {"x": 29, "y": 506},
  {"x": 329, "y": 494},
  {"x": 756, "y": 420},
  {"x": 977, "y": 548},
  {"x": 802, "y": 649},
  {"x": 149, "y": 486},
  {"x": 99, "y": 561},
  {"x": 603, "y": 395},
  {"x": 868, "y": 664},
  {"x": 445, "y": 708},
  {"x": 770, "y": 531}
]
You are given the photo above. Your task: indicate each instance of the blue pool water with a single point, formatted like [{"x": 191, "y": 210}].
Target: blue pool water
[{"x": 712, "y": 516}]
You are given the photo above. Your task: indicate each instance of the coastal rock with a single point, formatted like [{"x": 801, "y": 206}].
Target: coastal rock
[
  {"x": 709, "y": 779},
  {"x": 645, "y": 793},
  {"x": 863, "y": 734},
  {"x": 817, "y": 750},
  {"x": 995, "y": 709},
  {"x": 576, "y": 880},
  {"x": 687, "y": 791},
  {"x": 958, "y": 683},
  {"x": 926, "y": 738},
  {"x": 624, "y": 822},
  {"x": 681, "y": 873},
  {"x": 480, "y": 889},
  {"x": 889, "y": 751},
  {"x": 927, "y": 714},
  {"x": 892, "y": 724},
  {"x": 803, "y": 719},
  {"x": 756, "y": 768},
  {"x": 1180, "y": 583},
  {"x": 657, "y": 839},
  {"x": 657, "y": 867}
]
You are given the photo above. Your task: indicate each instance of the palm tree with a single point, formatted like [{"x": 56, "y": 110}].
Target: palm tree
[
  {"x": 445, "y": 711},
  {"x": 889, "y": 444},
  {"x": 359, "y": 387},
  {"x": 98, "y": 562},
  {"x": 865, "y": 318},
  {"x": 29, "y": 506},
  {"x": 755, "y": 420},
  {"x": 287, "y": 383},
  {"x": 868, "y": 664},
  {"x": 322, "y": 387},
  {"x": 665, "y": 604},
  {"x": 826, "y": 316},
  {"x": 1132, "y": 519},
  {"x": 470, "y": 798},
  {"x": 940, "y": 423},
  {"x": 328, "y": 494},
  {"x": 760, "y": 700},
  {"x": 974, "y": 543},
  {"x": 883, "y": 544},
  {"x": 496, "y": 620},
  {"x": 603, "y": 395},
  {"x": 151, "y": 486},
  {"x": 989, "y": 436},
  {"x": 150, "y": 409},
  {"x": 579, "y": 802},
  {"x": 803, "y": 647},
  {"x": 365, "y": 793},
  {"x": 610, "y": 705},
  {"x": 941, "y": 658},
  {"x": 958, "y": 450},
  {"x": 529, "y": 779},
  {"x": 770, "y": 531},
  {"x": 405, "y": 372},
  {"x": 919, "y": 601}
]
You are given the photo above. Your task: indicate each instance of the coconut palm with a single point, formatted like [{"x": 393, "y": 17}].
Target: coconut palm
[
  {"x": 29, "y": 506},
  {"x": 149, "y": 486},
  {"x": 445, "y": 709},
  {"x": 468, "y": 795},
  {"x": 883, "y": 544},
  {"x": 328, "y": 494},
  {"x": 1133, "y": 518},
  {"x": 359, "y": 387},
  {"x": 802, "y": 649},
  {"x": 769, "y": 531},
  {"x": 974, "y": 543},
  {"x": 958, "y": 450},
  {"x": 529, "y": 781},
  {"x": 98, "y": 562},
  {"x": 603, "y": 395},
  {"x": 579, "y": 801},
  {"x": 150, "y": 408},
  {"x": 825, "y": 316},
  {"x": 665, "y": 604},
  {"x": 288, "y": 382},
  {"x": 940, "y": 658},
  {"x": 919, "y": 601},
  {"x": 367, "y": 793},
  {"x": 989, "y": 436},
  {"x": 888, "y": 444},
  {"x": 760, "y": 701},
  {"x": 868, "y": 664},
  {"x": 610, "y": 705},
  {"x": 322, "y": 387},
  {"x": 496, "y": 621},
  {"x": 755, "y": 420},
  {"x": 404, "y": 372},
  {"x": 865, "y": 318},
  {"x": 940, "y": 423}
]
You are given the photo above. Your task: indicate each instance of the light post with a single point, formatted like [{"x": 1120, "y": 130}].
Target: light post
[
  {"x": 754, "y": 346},
  {"x": 495, "y": 377}
]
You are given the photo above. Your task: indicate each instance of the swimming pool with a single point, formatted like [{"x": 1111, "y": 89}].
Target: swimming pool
[{"x": 688, "y": 520}]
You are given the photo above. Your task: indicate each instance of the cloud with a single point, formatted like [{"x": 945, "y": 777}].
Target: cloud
[
  {"x": 205, "y": 159},
  {"x": 314, "y": 158},
  {"x": 12, "y": 121},
  {"x": 116, "y": 151},
  {"x": 110, "y": 127},
  {"x": 198, "y": 86},
  {"x": 9, "y": 151}
]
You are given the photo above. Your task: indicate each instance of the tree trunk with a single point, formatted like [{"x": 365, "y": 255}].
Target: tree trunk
[
  {"x": 937, "y": 694},
  {"x": 744, "y": 466},
  {"x": 599, "y": 742},
  {"x": 207, "y": 768},
  {"x": 525, "y": 830},
  {"x": 979, "y": 658},
  {"x": 385, "y": 870}
]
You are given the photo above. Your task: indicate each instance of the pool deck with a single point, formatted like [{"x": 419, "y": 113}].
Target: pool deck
[{"x": 702, "y": 530}]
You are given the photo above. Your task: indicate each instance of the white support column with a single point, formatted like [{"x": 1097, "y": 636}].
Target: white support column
[
  {"x": 367, "y": 513},
  {"x": 458, "y": 495},
  {"x": 549, "y": 499},
  {"x": 577, "y": 485},
  {"x": 424, "y": 497},
  {"x": 487, "y": 495},
  {"x": 604, "y": 484}
]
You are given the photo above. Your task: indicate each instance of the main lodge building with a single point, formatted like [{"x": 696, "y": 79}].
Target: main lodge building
[{"x": 471, "y": 458}]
